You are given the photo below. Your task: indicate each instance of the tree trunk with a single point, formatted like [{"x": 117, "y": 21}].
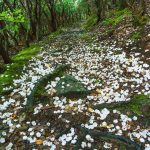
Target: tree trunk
[
  {"x": 123, "y": 4},
  {"x": 4, "y": 50},
  {"x": 4, "y": 44},
  {"x": 101, "y": 6},
  {"x": 5, "y": 55},
  {"x": 50, "y": 4}
]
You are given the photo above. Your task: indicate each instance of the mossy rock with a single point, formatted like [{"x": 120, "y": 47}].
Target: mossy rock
[
  {"x": 69, "y": 87},
  {"x": 139, "y": 104},
  {"x": 38, "y": 93}
]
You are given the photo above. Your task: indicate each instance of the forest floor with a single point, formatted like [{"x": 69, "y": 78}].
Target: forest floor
[{"x": 83, "y": 90}]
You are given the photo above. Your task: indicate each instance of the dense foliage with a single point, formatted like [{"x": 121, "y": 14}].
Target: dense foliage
[{"x": 22, "y": 22}]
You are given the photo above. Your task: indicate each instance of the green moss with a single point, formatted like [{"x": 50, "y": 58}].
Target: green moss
[
  {"x": 26, "y": 54},
  {"x": 74, "y": 90},
  {"x": 41, "y": 96},
  {"x": 135, "y": 36},
  {"x": 40, "y": 91},
  {"x": 56, "y": 33},
  {"x": 137, "y": 105},
  {"x": 13, "y": 70},
  {"x": 139, "y": 20},
  {"x": 34, "y": 97},
  {"x": 115, "y": 17},
  {"x": 138, "y": 101},
  {"x": 85, "y": 37},
  {"x": 144, "y": 19},
  {"x": 91, "y": 21}
]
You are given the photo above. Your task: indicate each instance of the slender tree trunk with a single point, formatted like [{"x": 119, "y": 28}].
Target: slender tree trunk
[
  {"x": 5, "y": 55},
  {"x": 53, "y": 20},
  {"x": 4, "y": 49},
  {"x": 143, "y": 5},
  {"x": 101, "y": 6},
  {"x": 4, "y": 44},
  {"x": 37, "y": 19},
  {"x": 50, "y": 4},
  {"x": 123, "y": 4}
]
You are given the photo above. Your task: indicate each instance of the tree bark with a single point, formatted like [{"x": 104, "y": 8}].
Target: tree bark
[
  {"x": 4, "y": 44},
  {"x": 4, "y": 50},
  {"x": 4, "y": 55},
  {"x": 123, "y": 4},
  {"x": 101, "y": 6},
  {"x": 50, "y": 4}
]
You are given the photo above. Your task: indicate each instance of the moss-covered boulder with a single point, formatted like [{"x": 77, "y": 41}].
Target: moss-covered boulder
[
  {"x": 141, "y": 104},
  {"x": 38, "y": 93},
  {"x": 69, "y": 87}
]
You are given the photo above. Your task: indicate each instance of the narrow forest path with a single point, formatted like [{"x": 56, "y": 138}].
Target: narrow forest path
[{"x": 78, "y": 93}]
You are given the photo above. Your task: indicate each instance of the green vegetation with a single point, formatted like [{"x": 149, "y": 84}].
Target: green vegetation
[
  {"x": 28, "y": 21},
  {"x": 55, "y": 34},
  {"x": 13, "y": 70},
  {"x": 75, "y": 83},
  {"x": 114, "y": 17},
  {"x": 86, "y": 37},
  {"x": 33, "y": 98},
  {"x": 26, "y": 54},
  {"x": 140, "y": 20},
  {"x": 73, "y": 88},
  {"x": 12, "y": 20},
  {"x": 135, "y": 36},
  {"x": 138, "y": 104},
  {"x": 91, "y": 22}
]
